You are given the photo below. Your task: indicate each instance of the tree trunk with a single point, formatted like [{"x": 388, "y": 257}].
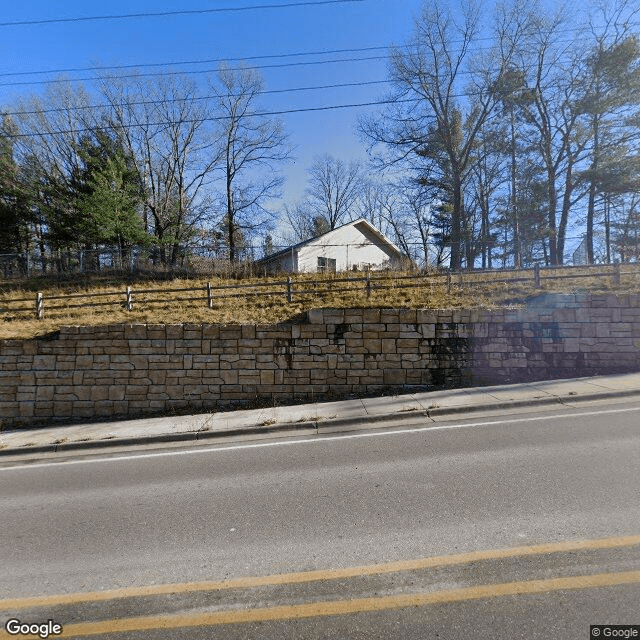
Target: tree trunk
[
  {"x": 517, "y": 249},
  {"x": 566, "y": 206},
  {"x": 593, "y": 187},
  {"x": 554, "y": 257},
  {"x": 456, "y": 224},
  {"x": 607, "y": 227}
]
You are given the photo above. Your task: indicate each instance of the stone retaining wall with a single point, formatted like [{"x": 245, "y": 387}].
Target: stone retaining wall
[{"x": 129, "y": 369}]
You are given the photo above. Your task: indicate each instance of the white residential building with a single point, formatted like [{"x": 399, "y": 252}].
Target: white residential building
[{"x": 355, "y": 246}]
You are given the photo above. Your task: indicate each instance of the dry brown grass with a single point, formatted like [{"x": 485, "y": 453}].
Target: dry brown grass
[{"x": 162, "y": 307}]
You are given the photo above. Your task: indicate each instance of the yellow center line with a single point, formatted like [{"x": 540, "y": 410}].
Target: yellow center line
[
  {"x": 319, "y": 574},
  {"x": 343, "y": 607}
]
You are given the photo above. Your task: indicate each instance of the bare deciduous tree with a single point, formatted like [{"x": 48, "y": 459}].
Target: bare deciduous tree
[
  {"x": 334, "y": 186},
  {"x": 167, "y": 128},
  {"x": 252, "y": 146},
  {"x": 439, "y": 129}
]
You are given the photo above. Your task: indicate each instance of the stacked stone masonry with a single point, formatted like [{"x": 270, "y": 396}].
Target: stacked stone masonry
[{"x": 136, "y": 369}]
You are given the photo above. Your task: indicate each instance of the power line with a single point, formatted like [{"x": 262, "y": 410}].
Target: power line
[
  {"x": 175, "y": 13},
  {"x": 163, "y": 73},
  {"x": 204, "y": 61},
  {"x": 200, "y": 98},
  {"x": 214, "y": 118},
  {"x": 257, "y": 114},
  {"x": 571, "y": 41},
  {"x": 258, "y": 57}
]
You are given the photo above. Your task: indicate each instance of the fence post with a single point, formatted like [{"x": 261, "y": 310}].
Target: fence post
[
  {"x": 368, "y": 285},
  {"x": 129, "y": 303},
  {"x": 209, "y": 296},
  {"x": 536, "y": 275},
  {"x": 449, "y": 282},
  {"x": 39, "y": 306},
  {"x": 289, "y": 290},
  {"x": 616, "y": 273}
]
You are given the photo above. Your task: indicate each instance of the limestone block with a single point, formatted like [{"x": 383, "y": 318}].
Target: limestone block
[
  {"x": 121, "y": 366},
  {"x": 373, "y": 377},
  {"x": 135, "y": 389},
  {"x": 336, "y": 376},
  {"x": 9, "y": 351},
  {"x": 388, "y": 345},
  {"x": 25, "y": 396},
  {"x": 44, "y": 363},
  {"x": 42, "y": 409},
  {"x": 369, "y": 329},
  {"x": 229, "y": 377},
  {"x": 407, "y": 316},
  {"x": 174, "y": 332},
  {"x": 24, "y": 378},
  {"x": 69, "y": 331},
  {"x": 96, "y": 393},
  {"x": 371, "y": 316},
  {"x": 157, "y": 376},
  {"x": 316, "y": 316},
  {"x": 248, "y": 345},
  {"x": 104, "y": 407},
  {"x": 409, "y": 360},
  {"x": 60, "y": 409},
  {"x": 389, "y": 316},
  {"x": 336, "y": 316},
  {"x": 372, "y": 345},
  {"x": 117, "y": 392},
  {"x": 407, "y": 343},
  {"x": 394, "y": 376},
  {"x": 193, "y": 332},
  {"x": 210, "y": 332},
  {"x": 156, "y": 332},
  {"x": 195, "y": 390},
  {"x": 140, "y": 361},
  {"x": 230, "y": 332},
  {"x": 631, "y": 314},
  {"x": 135, "y": 331}
]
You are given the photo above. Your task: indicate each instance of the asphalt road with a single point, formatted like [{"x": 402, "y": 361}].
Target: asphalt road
[{"x": 86, "y": 524}]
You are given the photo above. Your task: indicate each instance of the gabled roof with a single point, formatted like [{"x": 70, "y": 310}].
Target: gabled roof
[{"x": 361, "y": 224}]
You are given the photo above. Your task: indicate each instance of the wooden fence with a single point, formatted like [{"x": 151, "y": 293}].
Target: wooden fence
[{"x": 294, "y": 289}]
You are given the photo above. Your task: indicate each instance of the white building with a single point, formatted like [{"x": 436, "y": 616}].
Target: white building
[{"x": 356, "y": 246}]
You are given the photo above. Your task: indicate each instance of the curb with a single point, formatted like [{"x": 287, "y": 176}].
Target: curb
[
  {"x": 194, "y": 436},
  {"x": 185, "y": 436}
]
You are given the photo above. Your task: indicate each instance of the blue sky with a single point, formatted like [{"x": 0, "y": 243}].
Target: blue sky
[{"x": 228, "y": 35}]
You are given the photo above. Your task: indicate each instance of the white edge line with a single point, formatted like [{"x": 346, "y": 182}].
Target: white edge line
[{"x": 309, "y": 440}]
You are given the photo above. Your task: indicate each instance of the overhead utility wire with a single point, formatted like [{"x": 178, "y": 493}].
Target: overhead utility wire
[
  {"x": 176, "y": 13},
  {"x": 161, "y": 73},
  {"x": 260, "y": 57},
  {"x": 214, "y": 118},
  {"x": 204, "y": 61},
  {"x": 571, "y": 41},
  {"x": 199, "y": 98}
]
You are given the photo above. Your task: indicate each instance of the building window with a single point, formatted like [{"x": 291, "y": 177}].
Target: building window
[{"x": 326, "y": 265}]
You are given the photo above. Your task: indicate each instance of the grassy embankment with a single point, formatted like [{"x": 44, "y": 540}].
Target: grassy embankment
[{"x": 176, "y": 307}]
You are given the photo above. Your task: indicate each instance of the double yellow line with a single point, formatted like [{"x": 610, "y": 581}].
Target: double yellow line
[{"x": 336, "y": 607}]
